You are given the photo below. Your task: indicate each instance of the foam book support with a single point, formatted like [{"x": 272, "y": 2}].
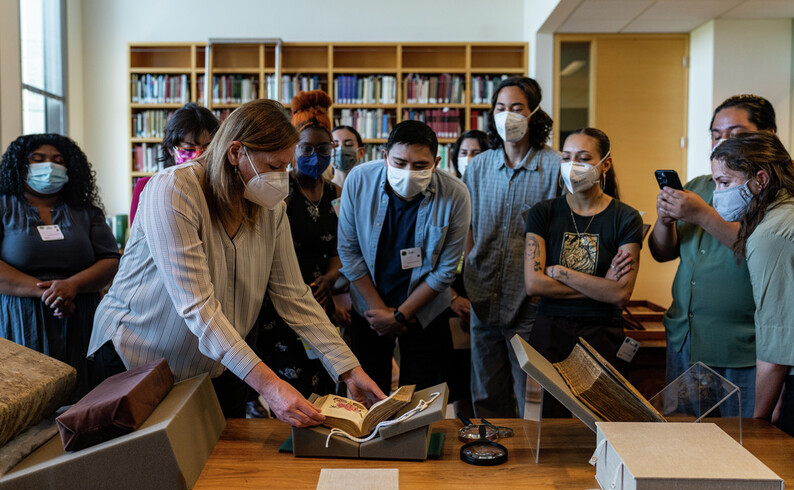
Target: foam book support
[
  {"x": 168, "y": 451},
  {"x": 407, "y": 440}
]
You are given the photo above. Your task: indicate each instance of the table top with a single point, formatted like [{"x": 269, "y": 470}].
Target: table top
[{"x": 246, "y": 456}]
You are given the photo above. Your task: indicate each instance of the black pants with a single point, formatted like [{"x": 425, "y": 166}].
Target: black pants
[
  {"x": 230, "y": 389},
  {"x": 554, "y": 337},
  {"x": 425, "y": 353},
  {"x": 786, "y": 421}
]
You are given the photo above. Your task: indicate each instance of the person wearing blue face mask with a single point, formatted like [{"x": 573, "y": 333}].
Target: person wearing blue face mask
[
  {"x": 754, "y": 177},
  {"x": 313, "y": 223},
  {"x": 56, "y": 251},
  {"x": 711, "y": 317}
]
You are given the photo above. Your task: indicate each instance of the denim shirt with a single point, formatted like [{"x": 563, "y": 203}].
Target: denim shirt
[{"x": 441, "y": 227}]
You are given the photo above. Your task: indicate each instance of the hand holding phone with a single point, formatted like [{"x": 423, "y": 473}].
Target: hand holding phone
[{"x": 668, "y": 178}]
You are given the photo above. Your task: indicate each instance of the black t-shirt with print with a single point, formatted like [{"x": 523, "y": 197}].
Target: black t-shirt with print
[{"x": 590, "y": 251}]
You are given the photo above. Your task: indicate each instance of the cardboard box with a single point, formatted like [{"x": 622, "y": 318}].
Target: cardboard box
[
  {"x": 648, "y": 455},
  {"x": 407, "y": 440},
  {"x": 168, "y": 451}
]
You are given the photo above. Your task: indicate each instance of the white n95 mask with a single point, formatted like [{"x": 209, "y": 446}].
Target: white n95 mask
[
  {"x": 580, "y": 177},
  {"x": 266, "y": 189},
  {"x": 512, "y": 126}
]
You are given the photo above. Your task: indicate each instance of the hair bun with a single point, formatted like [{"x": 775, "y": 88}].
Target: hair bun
[
  {"x": 311, "y": 108},
  {"x": 309, "y": 100}
]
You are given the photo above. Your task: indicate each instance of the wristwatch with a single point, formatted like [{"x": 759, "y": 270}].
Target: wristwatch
[{"x": 401, "y": 318}]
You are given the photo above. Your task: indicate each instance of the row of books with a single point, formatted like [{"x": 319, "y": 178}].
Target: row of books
[
  {"x": 445, "y": 122},
  {"x": 441, "y": 89},
  {"x": 373, "y": 89},
  {"x": 291, "y": 85},
  {"x": 479, "y": 120},
  {"x": 370, "y": 123},
  {"x": 483, "y": 87},
  {"x": 233, "y": 89},
  {"x": 159, "y": 89},
  {"x": 145, "y": 157},
  {"x": 150, "y": 123}
]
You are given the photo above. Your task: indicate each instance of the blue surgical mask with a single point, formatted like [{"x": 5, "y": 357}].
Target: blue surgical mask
[
  {"x": 732, "y": 203},
  {"x": 313, "y": 165},
  {"x": 46, "y": 177}
]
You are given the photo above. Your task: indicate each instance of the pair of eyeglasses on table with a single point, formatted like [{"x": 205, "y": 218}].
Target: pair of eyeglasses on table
[{"x": 480, "y": 448}]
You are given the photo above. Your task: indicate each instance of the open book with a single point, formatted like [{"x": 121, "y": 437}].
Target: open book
[
  {"x": 354, "y": 418},
  {"x": 603, "y": 389}
]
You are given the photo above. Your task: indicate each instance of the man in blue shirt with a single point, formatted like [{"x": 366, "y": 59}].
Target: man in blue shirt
[{"x": 402, "y": 226}]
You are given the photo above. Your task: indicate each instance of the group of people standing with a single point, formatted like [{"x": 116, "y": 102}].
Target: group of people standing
[{"x": 219, "y": 276}]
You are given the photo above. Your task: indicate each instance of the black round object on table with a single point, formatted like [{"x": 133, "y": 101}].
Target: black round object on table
[{"x": 483, "y": 453}]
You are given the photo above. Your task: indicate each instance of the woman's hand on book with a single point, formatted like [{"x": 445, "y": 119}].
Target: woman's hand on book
[
  {"x": 362, "y": 388},
  {"x": 285, "y": 401}
]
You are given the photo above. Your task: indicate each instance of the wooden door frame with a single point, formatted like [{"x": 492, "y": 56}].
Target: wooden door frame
[{"x": 593, "y": 40}]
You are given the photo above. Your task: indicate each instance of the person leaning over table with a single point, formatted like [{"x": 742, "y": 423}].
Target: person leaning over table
[
  {"x": 213, "y": 238},
  {"x": 711, "y": 317},
  {"x": 56, "y": 251},
  {"x": 505, "y": 182},
  {"x": 754, "y": 179}
]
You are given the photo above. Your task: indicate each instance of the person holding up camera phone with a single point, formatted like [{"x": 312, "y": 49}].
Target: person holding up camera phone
[{"x": 711, "y": 317}]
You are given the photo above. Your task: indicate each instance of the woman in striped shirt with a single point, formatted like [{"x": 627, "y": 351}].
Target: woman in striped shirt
[{"x": 211, "y": 237}]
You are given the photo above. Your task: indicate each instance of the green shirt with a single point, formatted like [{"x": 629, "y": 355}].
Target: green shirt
[
  {"x": 770, "y": 259},
  {"x": 712, "y": 297}
]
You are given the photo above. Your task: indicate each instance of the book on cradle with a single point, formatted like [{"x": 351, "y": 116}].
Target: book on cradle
[
  {"x": 603, "y": 389},
  {"x": 354, "y": 418}
]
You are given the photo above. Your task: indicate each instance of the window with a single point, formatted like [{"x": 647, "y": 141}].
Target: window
[{"x": 43, "y": 48}]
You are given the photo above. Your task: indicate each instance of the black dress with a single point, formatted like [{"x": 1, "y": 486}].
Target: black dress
[{"x": 314, "y": 229}]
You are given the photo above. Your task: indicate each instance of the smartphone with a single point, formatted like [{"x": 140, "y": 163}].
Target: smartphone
[{"x": 668, "y": 178}]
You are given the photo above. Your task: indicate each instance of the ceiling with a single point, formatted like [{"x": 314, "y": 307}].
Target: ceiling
[{"x": 626, "y": 16}]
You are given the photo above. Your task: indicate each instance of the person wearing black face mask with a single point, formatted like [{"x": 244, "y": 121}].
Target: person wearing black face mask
[{"x": 313, "y": 223}]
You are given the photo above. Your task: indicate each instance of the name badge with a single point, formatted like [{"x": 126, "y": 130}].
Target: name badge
[
  {"x": 335, "y": 205},
  {"x": 628, "y": 349},
  {"x": 50, "y": 233},
  {"x": 411, "y": 257}
]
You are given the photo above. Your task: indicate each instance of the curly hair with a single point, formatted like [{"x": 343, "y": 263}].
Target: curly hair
[
  {"x": 310, "y": 110},
  {"x": 81, "y": 190},
  {"x": 750, "y": 153},
  {"x": 540, "y": 124}
]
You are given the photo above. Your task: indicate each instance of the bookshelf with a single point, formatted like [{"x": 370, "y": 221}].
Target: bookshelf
[{"x": 373, "y": 85}]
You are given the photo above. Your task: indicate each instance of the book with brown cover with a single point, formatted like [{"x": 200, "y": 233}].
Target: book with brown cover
[
  {"x": 354, "y": 418},
  {"x": 603, "y": 389}
]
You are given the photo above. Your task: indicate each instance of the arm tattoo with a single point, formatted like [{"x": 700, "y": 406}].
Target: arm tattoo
[
  {"x": 563, "y": 273},
  {"x": 536, "y": 266}
]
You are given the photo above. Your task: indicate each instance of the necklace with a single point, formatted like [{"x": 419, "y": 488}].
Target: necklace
[
  {"x": 580, "y": 235},
  {"x": 316, "y": 205}
]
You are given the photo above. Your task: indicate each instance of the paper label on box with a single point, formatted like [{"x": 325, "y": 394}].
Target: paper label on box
[{"x": 628, "y": 349}]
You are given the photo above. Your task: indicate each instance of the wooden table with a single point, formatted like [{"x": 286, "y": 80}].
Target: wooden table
[{"x": 247, "y": 457}]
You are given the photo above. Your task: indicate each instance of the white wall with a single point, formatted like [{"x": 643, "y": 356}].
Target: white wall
[
  {"x": 108, "y": 25},
  {"x": 701, "y": 94},
  {"x": 730, "y": 57}
]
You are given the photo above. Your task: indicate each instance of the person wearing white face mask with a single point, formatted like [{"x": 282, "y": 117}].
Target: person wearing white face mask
[
  {"x": 518, "y": 171},
  {"x": 466, "y": 147},
  {"x": 56, "y": 251},
  {"x": 582, "y": 257},
  {"x": 211, "y": 237},
  {"x": 711, "y": 316},
  {"x": 402, "y": 226},
  {"x": 756, "y": 169}
]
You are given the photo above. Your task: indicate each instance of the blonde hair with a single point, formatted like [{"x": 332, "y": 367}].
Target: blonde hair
[{"x": 260, "y": 125}]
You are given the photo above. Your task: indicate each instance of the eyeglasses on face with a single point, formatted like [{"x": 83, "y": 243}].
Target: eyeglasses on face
[
  {"x": 189, "y": 152},
  {"x": 307, "y": 150}
]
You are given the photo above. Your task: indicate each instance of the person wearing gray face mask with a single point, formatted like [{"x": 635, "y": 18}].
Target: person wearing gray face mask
[
  {"x": 349, "y": 152},
  {"x": 711, "y": 316}
]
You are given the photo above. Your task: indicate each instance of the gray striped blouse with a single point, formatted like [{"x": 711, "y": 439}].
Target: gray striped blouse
[{"x": 187, "y": 292}]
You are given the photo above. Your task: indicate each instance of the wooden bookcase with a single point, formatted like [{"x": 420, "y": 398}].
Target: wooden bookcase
[{"x": 253, "y": 72}]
